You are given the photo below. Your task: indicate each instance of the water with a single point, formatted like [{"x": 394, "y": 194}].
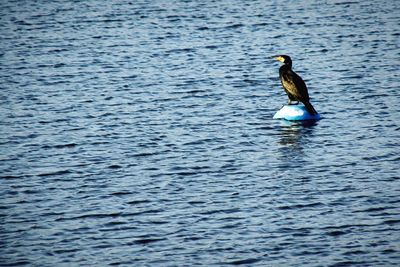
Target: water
[{"x": 140, "y": 133}]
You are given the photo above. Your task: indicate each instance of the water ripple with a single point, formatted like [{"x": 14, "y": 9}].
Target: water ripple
[{"x": 140, "y": 133}]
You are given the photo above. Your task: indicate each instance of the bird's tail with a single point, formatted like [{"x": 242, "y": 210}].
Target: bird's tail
[{"x": 310, "y": 108}]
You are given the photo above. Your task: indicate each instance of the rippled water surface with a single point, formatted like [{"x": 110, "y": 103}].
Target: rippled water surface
[{"x": 140, "y": 133}]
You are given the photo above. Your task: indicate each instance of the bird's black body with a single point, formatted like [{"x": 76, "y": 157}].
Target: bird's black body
[{"x": 293, "y": 84}]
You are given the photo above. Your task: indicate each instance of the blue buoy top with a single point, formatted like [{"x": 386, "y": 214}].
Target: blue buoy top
[{"x": 295, "y": 113}]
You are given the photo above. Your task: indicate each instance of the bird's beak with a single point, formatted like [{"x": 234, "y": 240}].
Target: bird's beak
[{"x": 279, "y": 58}]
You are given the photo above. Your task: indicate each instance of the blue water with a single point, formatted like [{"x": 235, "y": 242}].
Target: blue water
[{"x": 140, "y": 133}]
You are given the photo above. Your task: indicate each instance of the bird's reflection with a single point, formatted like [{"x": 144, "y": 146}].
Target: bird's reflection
[
  {"x": 294, "y": 148},
  {"x": 293, "y": 137},
  {"x": 291, "y": 133}
]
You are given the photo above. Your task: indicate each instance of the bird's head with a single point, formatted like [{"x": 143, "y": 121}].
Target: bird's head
[{"x": 284, "y": 59}]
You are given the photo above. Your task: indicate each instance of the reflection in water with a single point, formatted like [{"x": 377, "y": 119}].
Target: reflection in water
[
  {"x": 293, "y": 137},
  {"x": 292, "y": 133}
]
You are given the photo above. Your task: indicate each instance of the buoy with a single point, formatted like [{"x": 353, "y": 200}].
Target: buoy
[{"x": 295, "y": 113}]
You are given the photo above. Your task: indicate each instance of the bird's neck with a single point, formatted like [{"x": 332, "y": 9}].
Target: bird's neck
[{"x": 286, "y": 67}]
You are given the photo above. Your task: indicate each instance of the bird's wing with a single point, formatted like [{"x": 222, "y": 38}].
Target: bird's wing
[{"x": 295, "y": 85}]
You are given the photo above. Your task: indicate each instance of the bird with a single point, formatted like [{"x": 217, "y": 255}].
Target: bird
[{"x": 293, "y": 84}]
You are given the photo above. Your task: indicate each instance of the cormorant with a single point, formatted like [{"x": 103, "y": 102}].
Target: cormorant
[{"x": 293, "y": 84}]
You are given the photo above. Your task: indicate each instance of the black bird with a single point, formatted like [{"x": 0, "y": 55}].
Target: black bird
[{"x": 293, "y": 84}]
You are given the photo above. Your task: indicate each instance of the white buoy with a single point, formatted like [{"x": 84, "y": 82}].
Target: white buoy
[{"x": 295, "y": 113}]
